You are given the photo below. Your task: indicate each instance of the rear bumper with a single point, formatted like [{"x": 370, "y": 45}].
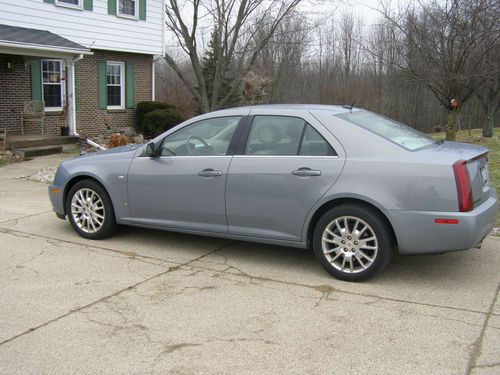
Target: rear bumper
[{"x": 417, "y": 233}]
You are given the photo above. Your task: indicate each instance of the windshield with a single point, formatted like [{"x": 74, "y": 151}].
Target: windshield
[{"x": 392, "y": 130}]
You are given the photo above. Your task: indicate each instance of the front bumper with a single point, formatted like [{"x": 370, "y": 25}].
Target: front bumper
[{"x": 417, "y": 233}]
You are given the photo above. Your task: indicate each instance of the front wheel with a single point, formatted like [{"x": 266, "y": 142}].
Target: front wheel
[
  {"x": 352, "y": 242},
  {"x": 90, "y": 211}
]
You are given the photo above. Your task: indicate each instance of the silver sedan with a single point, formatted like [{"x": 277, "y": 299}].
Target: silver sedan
[{"x": 352, "y": 185}]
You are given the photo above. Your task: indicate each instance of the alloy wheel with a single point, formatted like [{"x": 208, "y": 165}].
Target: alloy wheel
[
  {"x": 349, "y": 244},
  {"x": 87, "y": 210}
]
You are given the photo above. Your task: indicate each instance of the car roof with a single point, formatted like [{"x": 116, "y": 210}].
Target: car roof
[{"x": 332, "y": 109}]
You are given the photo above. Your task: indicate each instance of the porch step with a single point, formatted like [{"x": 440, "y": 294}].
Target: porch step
[
  {"x": 37, "y": 140},
  {"x": 29, "y": 152}
]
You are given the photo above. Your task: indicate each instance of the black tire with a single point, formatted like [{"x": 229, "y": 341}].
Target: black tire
[
  {"x": 360, "y": 250},
  {"x": 108, "y": 226}
]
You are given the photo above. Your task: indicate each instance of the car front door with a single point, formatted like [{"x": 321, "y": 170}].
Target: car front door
[
  {"x": 285, "y": 167},
  {"x": 184, "y": 186}
]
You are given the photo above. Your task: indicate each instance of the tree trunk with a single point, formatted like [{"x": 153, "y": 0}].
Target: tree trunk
[
  {"x": 488, "y": 123},
  {"x": 451, "y": 126}
]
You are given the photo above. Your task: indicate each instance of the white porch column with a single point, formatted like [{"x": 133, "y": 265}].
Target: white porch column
[{"x": 70, "y": 86}]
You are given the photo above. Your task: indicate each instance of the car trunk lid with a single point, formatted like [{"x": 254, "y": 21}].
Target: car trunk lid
[{"x": 475, "y": 159}]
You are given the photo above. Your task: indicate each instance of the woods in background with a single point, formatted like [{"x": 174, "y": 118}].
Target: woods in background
[{"x": 411, "y": 65}]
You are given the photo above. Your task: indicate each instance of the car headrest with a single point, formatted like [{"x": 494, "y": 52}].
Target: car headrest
[{"x": 269, "y": 134}]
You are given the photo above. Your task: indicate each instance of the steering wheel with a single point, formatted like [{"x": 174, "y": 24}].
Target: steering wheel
[{"x": 192, "y": 150}]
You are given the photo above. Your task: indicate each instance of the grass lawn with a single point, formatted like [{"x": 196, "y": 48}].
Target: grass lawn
[
  {"x": 3, "y": 162},
  {"x": 493, "y": 144}
]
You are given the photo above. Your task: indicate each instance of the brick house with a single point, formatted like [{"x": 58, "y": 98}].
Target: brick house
[{"x": 89, "y": 61}]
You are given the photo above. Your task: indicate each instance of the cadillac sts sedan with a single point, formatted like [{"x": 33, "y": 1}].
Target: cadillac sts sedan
[{"x": 354, "y": 186}]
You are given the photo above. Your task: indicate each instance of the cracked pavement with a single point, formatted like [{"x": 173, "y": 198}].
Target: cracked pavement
[{"x": 158, "y": 302}]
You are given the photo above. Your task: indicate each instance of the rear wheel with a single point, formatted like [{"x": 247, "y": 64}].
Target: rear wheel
[
  {"x": 352, "y": 242},
  {"x": 90, "y": 211}
]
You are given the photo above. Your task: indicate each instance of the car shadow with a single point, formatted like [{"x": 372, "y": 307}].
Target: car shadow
[{"x": 269, "y": 260}]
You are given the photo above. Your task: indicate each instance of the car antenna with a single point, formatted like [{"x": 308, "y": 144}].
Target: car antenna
[{"x": 349, "y": 107}]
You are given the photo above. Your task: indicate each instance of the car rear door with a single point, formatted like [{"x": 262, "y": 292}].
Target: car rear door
[
  {"x": 184, "y": 187},
  {"x": 285, "y": 164}
]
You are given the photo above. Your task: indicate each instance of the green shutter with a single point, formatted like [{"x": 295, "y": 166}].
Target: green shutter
[
  {"x": 49, "y": 1},
  {"x": 130, "y": 85},
  {"x": 142, "y": 10},
  {"x": 111, "y": 6},
  {"x": 87, "y": 5},
  {"x": 103, "y": 100},
  {"x": 36, "y": 80}
]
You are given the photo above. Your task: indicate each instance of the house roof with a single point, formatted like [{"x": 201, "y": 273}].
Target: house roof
[{"x": 20, "y": 37}]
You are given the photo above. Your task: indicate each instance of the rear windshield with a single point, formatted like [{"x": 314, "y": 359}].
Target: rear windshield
[{"x": 392, "y": 130}]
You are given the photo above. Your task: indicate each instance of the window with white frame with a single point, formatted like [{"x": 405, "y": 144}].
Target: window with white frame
[
  {"x": 52, "y": 84},
  {"x": 70, "y": 3},
  {"x": 127, "y": 8},
  {"x": 115, "y": 84}
]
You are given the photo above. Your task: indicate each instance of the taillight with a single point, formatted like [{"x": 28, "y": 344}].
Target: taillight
[{"x": 464, "y": 188}]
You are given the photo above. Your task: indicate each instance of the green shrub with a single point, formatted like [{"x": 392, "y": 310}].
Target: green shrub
[
  {"x": 144, "y": 108},
  {"x": 160, "y": 120}
]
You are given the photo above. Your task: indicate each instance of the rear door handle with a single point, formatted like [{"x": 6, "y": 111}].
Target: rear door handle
[
  {"x": 209, "y": 172},
  {"x": 306, "y": 172}
]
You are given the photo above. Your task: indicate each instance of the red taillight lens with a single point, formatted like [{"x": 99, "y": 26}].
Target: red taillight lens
[{"x": 464, "y": 188}]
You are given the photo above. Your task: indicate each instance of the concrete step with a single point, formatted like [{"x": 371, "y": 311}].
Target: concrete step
[
  {"x": 29, "y": 152},
  {"x": 36, "y": 140}
]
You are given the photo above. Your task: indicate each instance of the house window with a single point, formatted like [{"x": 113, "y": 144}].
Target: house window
[
  {"x": 115, "y": 84},
  {"x": 52, "y": 84},
  {"x": 127, "y": 8},
  {"x": 70, "y": 3}
]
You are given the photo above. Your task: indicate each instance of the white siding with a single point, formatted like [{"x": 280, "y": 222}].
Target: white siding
[{"x": 94, "y": 29}]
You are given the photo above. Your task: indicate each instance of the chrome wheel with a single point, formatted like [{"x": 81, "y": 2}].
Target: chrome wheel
[
  {"x": 349, "y": 244},
  {"x": 87, "y": 210}
]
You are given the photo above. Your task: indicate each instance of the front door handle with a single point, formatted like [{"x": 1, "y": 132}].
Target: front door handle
[
  {"x": 209, "y": 172},
  {"x": 306, "y": 172}
]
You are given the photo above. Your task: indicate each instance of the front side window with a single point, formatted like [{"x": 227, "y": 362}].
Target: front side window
[
  {"x": 203, "y": 138},
  {"x": 115, "y": 84},
  {"x": 285, "y": 136},
  {"x": 127, "y": 8},
  {"x": 52, "y": 71},
  {"x": 403, "y": 135}
]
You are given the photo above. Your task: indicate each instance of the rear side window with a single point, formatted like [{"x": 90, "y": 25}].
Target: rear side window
[
  {"x": 313, "y": 144},
  {"x": 284, "y": 135},
  {"x": 392, "y": 130}
]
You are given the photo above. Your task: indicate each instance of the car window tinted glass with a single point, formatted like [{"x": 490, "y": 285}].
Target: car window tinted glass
[
  {"x": 275, "y": 135},
  {"x": 397, "y": 132},
  {"x": 203, "y": 138},
  {"x": 313, "y": 144}
]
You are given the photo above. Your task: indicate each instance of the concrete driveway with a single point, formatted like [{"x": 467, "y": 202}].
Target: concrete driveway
[{"x": 157, "y": 302}]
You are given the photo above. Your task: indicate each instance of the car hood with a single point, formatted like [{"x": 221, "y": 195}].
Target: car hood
[{"x": 114, "y": 151}]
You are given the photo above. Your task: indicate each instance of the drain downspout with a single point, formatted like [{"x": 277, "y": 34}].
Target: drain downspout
[{"x": 72, "y": 124}]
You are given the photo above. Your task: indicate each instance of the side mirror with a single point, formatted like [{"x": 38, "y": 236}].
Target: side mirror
[{"x": 150, "y": 150}]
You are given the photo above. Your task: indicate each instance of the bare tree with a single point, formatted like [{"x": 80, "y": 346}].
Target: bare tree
[
  {"x": 234, "y": 26},
  {"x": 442, "y": 46}
]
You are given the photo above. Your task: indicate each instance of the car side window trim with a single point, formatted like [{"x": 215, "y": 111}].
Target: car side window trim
[
  {"x": 239, "y": 133},
  {"x": 302, "y": 138}
]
